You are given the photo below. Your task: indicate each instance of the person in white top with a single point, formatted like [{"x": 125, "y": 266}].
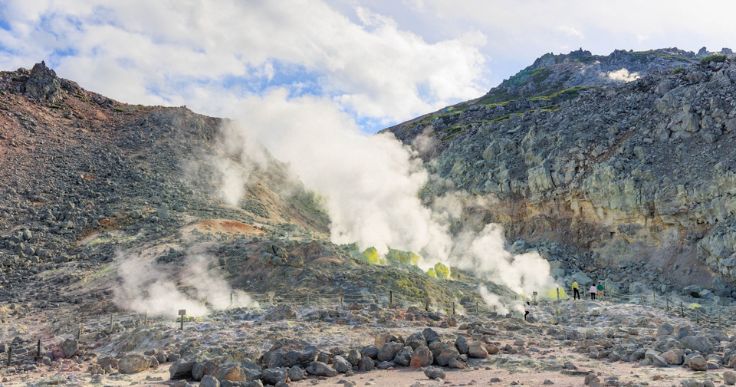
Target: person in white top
[{"x": 593, "y": 290}]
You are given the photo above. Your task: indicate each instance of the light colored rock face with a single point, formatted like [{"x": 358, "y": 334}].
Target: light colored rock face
[{"x": 642, "y": 171}]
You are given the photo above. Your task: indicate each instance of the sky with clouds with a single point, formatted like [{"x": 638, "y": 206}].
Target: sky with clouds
[{"x": 373, "y": 62}]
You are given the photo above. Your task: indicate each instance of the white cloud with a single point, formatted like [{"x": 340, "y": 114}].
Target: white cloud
[{"x": 157, "y": 52}]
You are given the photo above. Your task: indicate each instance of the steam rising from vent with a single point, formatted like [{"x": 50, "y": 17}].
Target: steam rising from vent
[
  {"x": 371, "y": 186},
  {"x": 622, "y": 75},
  {"x": 149, "y": 288}
]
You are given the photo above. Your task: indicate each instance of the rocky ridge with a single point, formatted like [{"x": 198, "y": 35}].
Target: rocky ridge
[{"x": 633, "y": 180}]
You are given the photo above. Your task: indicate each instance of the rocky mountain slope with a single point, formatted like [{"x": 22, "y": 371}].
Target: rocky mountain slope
[
  {"x": 86, "y": 181},
  {"x": 623, "y": 163}
]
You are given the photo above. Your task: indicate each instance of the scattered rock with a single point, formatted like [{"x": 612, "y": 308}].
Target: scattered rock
[
  {"x": 341, "y": 364},
  {"x": 434, "y": 373},
  {"x": 133, "y": 363},
  {"x": 318, "y": 368},
  {"x": 421, "y": 357}
]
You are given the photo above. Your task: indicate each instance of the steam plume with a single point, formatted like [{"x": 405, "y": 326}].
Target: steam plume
[
  {"x": 371, "y": 184},
  {"x": 149, "y": 288}
]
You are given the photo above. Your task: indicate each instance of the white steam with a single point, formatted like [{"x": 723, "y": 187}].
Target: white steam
[
  {"x": 492, "y": 300},
  {"x": 622, "y": 75},
  {"x": 370, "y": 184},
  {"x": 149, "y": 288}
]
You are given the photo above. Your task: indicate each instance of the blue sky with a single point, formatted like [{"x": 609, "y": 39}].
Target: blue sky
[{"x": 379, "y": 62}]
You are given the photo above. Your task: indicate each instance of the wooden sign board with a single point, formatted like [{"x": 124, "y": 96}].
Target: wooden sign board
[{"x": 182, "y": 312}]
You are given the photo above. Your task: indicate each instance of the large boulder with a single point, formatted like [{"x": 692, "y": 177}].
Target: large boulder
[
  {"x": 416, "y": 340},
  {"x": 370, "y": 351},
  {"x": 69, "y": 347},
  {"x": 354, "y": 357},
  {"x": 446, "y": 356},
  {"x": 289, "y": 353},
  {"x": 698, "y": 343},
  {"x": 430, "y": 335},
  {"x": 389, "y": 350},
  {"x": 366, "y": 364},
  {"x": 181, "y": 369},
  {"x": 274, "y": 375},
  {"x": 674, "y": 356},
  {"x": 461, "y": 343},
  {"x": 655, "y": 358},
  {"x": 133, "y": 363},
  {"x": 697, "y": 363},
  {"x": 341, "y": 364},
  {"x": 297, "y": 373},
  {"x": 403, "y": 357},
  {"x": 384, "y": 338},
  {"x": 318, "y": 368},
  {"x": 477, "y": 350},
  {"x": 665, "y": 329},
  {"x": 421, "y": 357},
  {"x": 202, "y": 368},
  {"x": 209, "y": 381},
  {"x": 729, "y": 377}
]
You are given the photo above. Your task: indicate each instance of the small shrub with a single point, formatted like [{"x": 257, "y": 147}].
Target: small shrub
[
  {"x": 713, "y": 58},
  {"x": 431, "y": 272}
]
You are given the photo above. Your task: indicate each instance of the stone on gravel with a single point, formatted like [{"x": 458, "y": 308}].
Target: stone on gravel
[
  {"x": 655, "y": 358},
  {"x": 421, "y": 357},
  {"x": 69, "y": 347},
  {"x": 181, "y": 369},
  {"x": 354, "y": 357},
  {"x": 444, "y": 357},
  {"x": 202, "y": 368},
  {"x": 274, "y": 375},
  {"x": 673, "y": 356},
  {"x": 297, "y": 373},
  {"x": 477, "y": 350},
  {"x": 665, "y": 329},
  {"x": 341, "y": 364},
  {"x": 318, "y": 368},
  {"x": 729, "y": 377},
  {"x": 430, "y": 335},
  {"x": 461, "y": 343},
  {"x": 209, "y": 381},
  {"x": 384, "y": 365},
  {"x": 697, "y": 343},
  {"x": 389, "y": 350},
  {"x": 434, "y": 373},
  {"x": 133, "y": 363},
  {"x": 697, "y": 363},
  {"x": 403, "y": 357},
  {"x": 369, "y": 351},
  {"x": 366, "y": 364},
  {"x": 416, "y": 340}
]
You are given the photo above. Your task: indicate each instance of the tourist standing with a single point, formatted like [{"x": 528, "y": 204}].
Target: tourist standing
[
  {"x": 575, "y": 290},
  {"x": 593, "y": 290}
]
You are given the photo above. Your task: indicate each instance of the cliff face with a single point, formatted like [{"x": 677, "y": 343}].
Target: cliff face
[{"x": 634, "y": 177}]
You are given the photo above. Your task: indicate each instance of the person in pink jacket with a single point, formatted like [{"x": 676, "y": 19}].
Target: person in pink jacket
[{"x": 593, "y": 290}]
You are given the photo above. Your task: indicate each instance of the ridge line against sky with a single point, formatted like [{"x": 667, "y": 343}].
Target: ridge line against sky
[{"x": 375, "y": 62}]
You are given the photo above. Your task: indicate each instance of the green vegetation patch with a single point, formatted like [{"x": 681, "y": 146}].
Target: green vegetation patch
[
  {"x": 713, "y": 58},
  {"x": 569, "y": 93}
]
